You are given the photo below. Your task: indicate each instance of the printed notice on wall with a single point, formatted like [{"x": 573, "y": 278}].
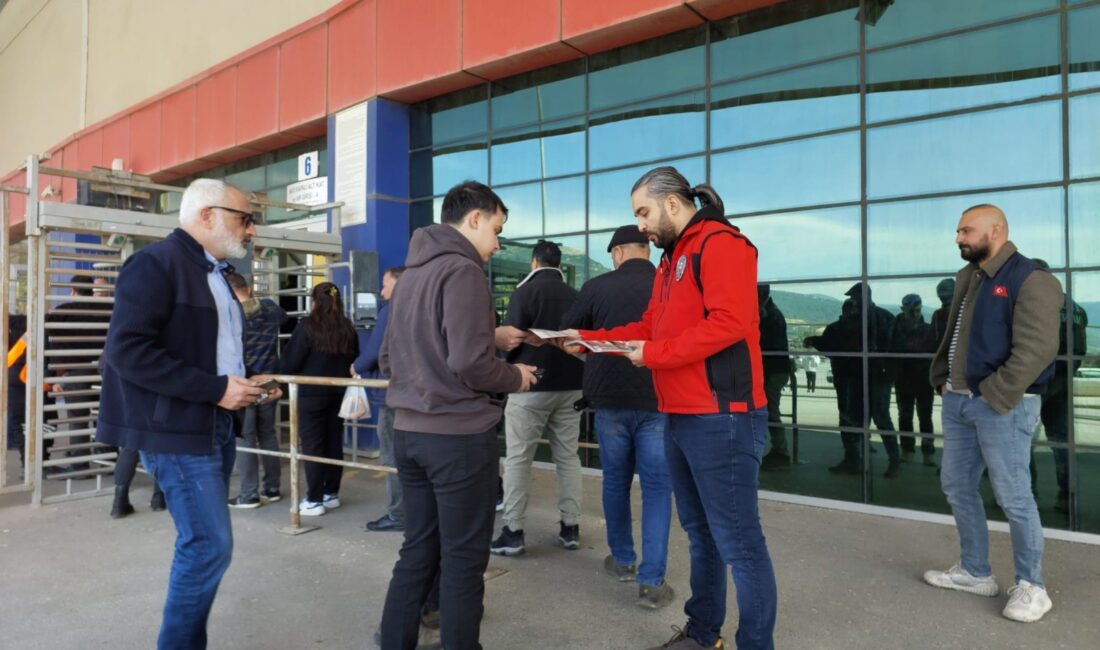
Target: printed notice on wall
[{"x": 351, "y": 164}]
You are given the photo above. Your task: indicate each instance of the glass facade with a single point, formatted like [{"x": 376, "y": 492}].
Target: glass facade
[{"x": 845, "y": 140}]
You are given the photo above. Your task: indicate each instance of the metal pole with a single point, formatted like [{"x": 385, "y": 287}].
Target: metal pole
[
  {"x": 295, "y": 527},
  {"x": 33, "y": 440},
  {"x": 4, "y": 342}
]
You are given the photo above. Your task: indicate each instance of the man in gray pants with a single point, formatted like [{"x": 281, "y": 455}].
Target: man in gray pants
[{"x": 541, "y": 300}]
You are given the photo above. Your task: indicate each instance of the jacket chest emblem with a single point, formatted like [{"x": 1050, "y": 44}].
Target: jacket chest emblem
[
  {"x": 681, "y": 265},
  {"x": 1000, "y": 291}
]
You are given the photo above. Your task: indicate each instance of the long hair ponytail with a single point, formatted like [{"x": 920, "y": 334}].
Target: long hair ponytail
[
  {"x": 330, "y": 331},
  {"x": 663, "y": 181}
]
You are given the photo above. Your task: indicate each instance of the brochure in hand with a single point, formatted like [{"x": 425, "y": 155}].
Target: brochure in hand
[{"x": 601, "y": 347}]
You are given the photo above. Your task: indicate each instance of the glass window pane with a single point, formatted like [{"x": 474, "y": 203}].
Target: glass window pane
[
  {"x": 513, "y": 262},
  {"x": 455, "y": 163},
  {"x": 655, "y": 67},
  {"x": 1084, "y": 136},
  {"x": 1004, "y": 64},
  {"x": 906, "y": 20},
  {"x": 919, "y": 236},
  {"x": 1086, "y": 294},
  {"x": 1022, "y": 144},
  {"x": 422, "y": 213},
  {"x": 827, "y": 244},
  {"x": 450, "y": 117},
  {"x": 1084, "y": 48},
  {"x": 609, "y": 192},
  {"x": 817, "y": 449},
  {"x": 539, "y": 96},
  {"x": 1084, "y": 224},
  {"x": 782, "y": 35},
  {"x": 1088, "y": 494},
  {"x": 253, "y": 180},
  {"x": 538, "y": 208},
  {"x": 599, "y": 258},
  {"x": 814, "y": 171},
  {"x": 669, "y": 127},
  {"x": 554, "y": 149},
  {"x": 799, "y": 102}
]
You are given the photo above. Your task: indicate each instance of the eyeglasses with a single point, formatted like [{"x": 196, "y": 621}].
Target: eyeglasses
[{"x": 247, "y": 218}]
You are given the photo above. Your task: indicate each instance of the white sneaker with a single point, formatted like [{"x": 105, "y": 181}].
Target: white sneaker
[
  {"x": 311, "y": 508},
  {"x": 1027, "y": 603},
  {"x": 331, "y": 501},
  {"x": 959, "y": 578}
]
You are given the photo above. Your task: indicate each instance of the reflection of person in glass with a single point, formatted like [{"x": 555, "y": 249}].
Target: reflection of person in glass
[
  {"x": 810, "y": 364},
  {"x": 777, "y": 372},
  {"x": 1054, "y": 412},
  {"x": 848, "y": 379},
  {"x": 944, "y": 290},
  {"x": 991, "y": 369},
  {"x": 911, "y": 334}
]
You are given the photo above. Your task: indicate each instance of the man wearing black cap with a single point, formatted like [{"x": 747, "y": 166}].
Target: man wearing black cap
[
  {"x": 911, "y": 334},
  {"x": 631, "y": 430}
]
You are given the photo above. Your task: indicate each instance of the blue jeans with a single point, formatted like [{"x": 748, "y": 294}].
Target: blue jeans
[
  {"x": 395, "y": 507},
  {"x": 632, "y": 440},
  {"x": 714, "y": 461},
  {"x": 976, "y": 437},
  {"x": 196, "y": 490}
]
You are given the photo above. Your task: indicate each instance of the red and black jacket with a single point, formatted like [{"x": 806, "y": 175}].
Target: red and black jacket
[{"x": 702, "y": 326}]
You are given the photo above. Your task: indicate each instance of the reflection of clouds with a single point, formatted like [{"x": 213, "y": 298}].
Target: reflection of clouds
[{"x": 805, "y": 244}]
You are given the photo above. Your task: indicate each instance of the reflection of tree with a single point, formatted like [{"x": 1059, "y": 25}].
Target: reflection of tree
[{"x": 513, "y": 262}]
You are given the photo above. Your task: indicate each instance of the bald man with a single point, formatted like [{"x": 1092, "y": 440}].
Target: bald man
[{"x": 991, "y": 367}]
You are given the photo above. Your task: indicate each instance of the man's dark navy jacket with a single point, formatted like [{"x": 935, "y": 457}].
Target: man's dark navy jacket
[{"x": 160, "y": 380}]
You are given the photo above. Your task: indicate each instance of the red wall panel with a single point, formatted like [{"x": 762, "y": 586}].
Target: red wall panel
[
  {"x": 302, "y": 90},
  {"x": 598, "y": 26},
  {"x": 257, "y": 96},
  {"x": 90, "y": 151},
  {"x": 352, "y": 37},
  {"x": 177, "y": 128},
  {"x": 71, "y": 161},
  {"x": 116, "y": 143},
  {"x": 145, "y": 140},
  {"x": 216, "y": 112},
  {"x": 502, "y": 37},
  {"x": 17, "y": 203},
  {"x": 419, "y": 41}
]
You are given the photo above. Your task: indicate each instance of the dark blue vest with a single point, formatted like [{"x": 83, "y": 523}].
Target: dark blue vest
[{"x": 991, "y": 323}]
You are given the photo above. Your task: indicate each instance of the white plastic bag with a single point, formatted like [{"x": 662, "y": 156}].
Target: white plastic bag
[{"x": 355, "y": 405}]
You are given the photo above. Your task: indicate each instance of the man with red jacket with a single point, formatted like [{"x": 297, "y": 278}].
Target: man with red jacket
[{"x": 700, "y": 336}]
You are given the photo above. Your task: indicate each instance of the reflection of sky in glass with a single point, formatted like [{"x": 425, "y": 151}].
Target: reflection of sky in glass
[
  {"x": 1084, "y": 136},
  {"x": 805, "y": 172},
  {"x": 1084, "y": 46},
  {"x": 455, "y": 123},
  {"x": 1084, "y": 224},
  {"x": 449, "y": 168},
  {"x": 1022, "y": 144},
  {"x": 609, "y": 193},
  {"x": 771, "y": 49},
  {"x": 631, "y": 138},
  {"x": 538, "y": 208},
  {"x": 540, "y": 103},
  {"x": 914, "y": 18},
  {"x": 538, "y": 157},
  {"x": 919, "y": 236},
  {"x": 906, "y": 74},
  {"x": 779, "y": 114},
  {"x": 811, "y": 244},
  {"x": 657, "y": 75}
]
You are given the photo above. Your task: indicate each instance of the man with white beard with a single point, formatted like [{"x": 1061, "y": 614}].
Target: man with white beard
[{"x": 172, "y": 379}]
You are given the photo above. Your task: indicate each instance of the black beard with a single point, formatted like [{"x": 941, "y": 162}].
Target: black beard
[{"x": 975, "y": 254}]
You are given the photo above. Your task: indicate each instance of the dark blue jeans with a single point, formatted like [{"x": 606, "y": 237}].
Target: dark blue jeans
[
  {"x": 714, "y": 461},
  {"x": 196, "y": 490},
  {"x": 635, "y": 440}
]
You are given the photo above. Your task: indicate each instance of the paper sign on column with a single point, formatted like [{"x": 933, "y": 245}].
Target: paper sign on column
[{"x": 351, "y": 164}]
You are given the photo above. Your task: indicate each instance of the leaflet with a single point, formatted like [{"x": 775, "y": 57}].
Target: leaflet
[{"x": 601, "y": 347}]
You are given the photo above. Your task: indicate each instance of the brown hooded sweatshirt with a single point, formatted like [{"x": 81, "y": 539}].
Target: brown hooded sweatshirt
[{"x": 438, "y": 350}]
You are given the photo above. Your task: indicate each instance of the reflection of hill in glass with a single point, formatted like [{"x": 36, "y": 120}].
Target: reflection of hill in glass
[
  {"x": 808, "y": 309},
  {"x": 1093, "y": 331}
]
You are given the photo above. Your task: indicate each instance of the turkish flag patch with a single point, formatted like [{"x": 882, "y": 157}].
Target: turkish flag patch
[{"x": 1000, "y": 290}]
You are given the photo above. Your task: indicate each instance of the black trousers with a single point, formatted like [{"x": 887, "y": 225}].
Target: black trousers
[
  {"x": 126, "y": 467},
  {"x": 450, "y": 485},
  {"x": 321, "y": 432},
  {"x": 914, "y": 390}
]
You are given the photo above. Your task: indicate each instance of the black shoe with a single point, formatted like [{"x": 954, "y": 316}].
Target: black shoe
[
  {"x": 892, "y": 469},
  {"x": 509, "y": 543},
  {"x": 775, "y": 460},
  {"x": 930, "y": 459},
  {"x": 271, "y": 495},
  {"x": 681, "y": 641},
  {"x": 654, "y": 597},
  {"x": 570, "y": 536},
  {"x": 156, "y": 504},
  {"x": 847, "y": 466},
  {"x": 121, "y": 506},
  {"x": 244, "y": 502},
  {"x": 385, "y": 523}
]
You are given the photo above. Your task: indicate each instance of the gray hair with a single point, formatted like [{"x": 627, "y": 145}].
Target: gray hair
[
  {"x": 663, "y": 181},
  {"x": 203, "y": 193}
]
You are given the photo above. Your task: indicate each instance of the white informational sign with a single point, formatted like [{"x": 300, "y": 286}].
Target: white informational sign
[
  {"x": 307, "y": 165},
  {"x": 350, "y": 156},
  {"x": 313, "y": 191}
]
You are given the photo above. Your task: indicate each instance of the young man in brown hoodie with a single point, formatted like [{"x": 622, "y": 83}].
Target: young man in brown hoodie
[{"x": 446, "y": 391}]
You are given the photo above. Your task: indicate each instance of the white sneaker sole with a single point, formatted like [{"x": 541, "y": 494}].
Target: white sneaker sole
[
  {"x": 1028, "y": 617},
  {"x": 938, "y": 579},
  {"x": 508, "y": 551}
]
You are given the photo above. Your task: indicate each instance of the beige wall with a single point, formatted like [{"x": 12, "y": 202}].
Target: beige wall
[{"x": 136, "y": 49}]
